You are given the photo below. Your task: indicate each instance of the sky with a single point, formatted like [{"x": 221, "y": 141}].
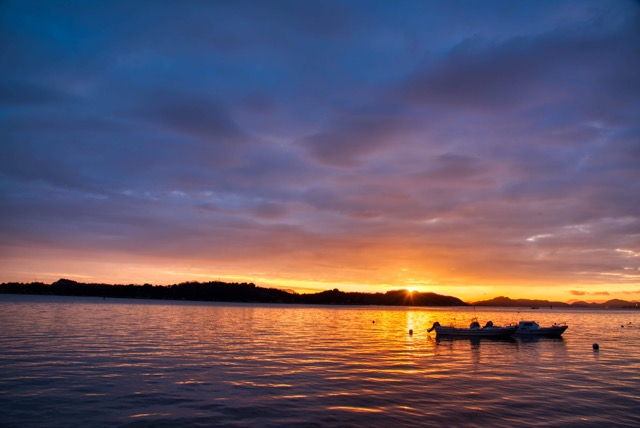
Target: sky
[{"x": 468, "y": 148}]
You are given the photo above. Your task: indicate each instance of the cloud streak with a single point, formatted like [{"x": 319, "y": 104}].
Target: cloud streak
[{"x": 589, "y": 293}]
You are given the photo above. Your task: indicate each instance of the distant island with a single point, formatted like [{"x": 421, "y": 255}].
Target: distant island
[
  {"x": 218, "y": 291},
  {"x": 507, "y": 302}
]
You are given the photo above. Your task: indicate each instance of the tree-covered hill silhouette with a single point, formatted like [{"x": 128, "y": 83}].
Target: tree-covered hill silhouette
[{"x": 217, "y": 291}]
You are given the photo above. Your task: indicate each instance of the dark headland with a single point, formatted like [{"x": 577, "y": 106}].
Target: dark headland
[{"x": 218, "y": 291}]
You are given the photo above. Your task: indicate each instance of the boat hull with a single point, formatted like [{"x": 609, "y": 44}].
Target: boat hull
[
  {"x": 475, "y": 332},
  {"x": 554, "y": 331}
]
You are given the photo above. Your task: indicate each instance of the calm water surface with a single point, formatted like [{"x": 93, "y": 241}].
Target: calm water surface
[{"x": 67, "y": 361}]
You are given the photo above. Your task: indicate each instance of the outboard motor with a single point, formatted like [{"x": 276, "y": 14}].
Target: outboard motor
[
  {"x": 489, "y": 324},
  {"x": 435, "y": 324}
]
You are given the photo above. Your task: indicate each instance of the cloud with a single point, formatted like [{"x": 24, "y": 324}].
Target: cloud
[
  {"x": 21, "y": 93},
  {"x": 192, "y": 115},
  {"x": 589, "y": 293},
  {"x": 516, "y": 72},
  {"x": 355, "y": 137},
  {"x": 339, "y": 139}
]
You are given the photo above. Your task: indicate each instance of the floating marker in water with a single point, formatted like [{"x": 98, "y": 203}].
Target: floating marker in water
[
  {"x": 410, "y": 332},
  {"x": 596, "y": 347}
]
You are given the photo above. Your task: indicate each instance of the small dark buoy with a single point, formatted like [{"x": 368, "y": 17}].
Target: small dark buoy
[
  {"x": 410, "y": 332},
  {"x": 373, "y": 322},
  {"x": 622, "y": 326},
  {"x": 596, "y": 347}
]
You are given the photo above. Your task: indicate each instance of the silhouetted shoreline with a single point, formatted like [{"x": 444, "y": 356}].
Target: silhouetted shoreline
[
  {"x": 546, "y": 304},
  {"x": 218, "y": 291}
]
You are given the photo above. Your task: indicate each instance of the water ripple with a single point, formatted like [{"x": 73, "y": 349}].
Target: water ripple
[{"x": 73, "y": 361}]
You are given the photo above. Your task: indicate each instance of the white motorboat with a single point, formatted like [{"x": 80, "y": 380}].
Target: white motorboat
[
  {"x": 474, "y": 330},
  {"x": 532, "y": 328}
]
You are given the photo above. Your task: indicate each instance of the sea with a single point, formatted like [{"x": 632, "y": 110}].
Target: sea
[{"x": 94, "y": 362}]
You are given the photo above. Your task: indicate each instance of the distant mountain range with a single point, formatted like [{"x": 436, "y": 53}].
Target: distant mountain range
[
  {"x": 507, "y": 302},
  {"x": 218, "y": 291}
]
